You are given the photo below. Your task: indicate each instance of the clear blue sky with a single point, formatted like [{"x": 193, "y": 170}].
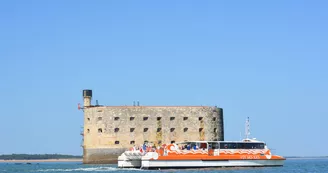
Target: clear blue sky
[{"x": 262, "y": 59}]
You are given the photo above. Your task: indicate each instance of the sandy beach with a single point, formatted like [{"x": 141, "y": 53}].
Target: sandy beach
[{"x": 41, "y": 160}]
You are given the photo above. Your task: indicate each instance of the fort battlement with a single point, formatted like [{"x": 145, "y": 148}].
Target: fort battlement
[{"x": 110, "y": 130}]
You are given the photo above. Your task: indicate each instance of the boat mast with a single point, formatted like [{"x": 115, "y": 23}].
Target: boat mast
[{"x": 247, "y": 128}]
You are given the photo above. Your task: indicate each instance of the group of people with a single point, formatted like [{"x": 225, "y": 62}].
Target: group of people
[
  {"x": 188, "y": 147},
  {"x": 147, "y": 147},
  {"x": 144, "y": 148}
]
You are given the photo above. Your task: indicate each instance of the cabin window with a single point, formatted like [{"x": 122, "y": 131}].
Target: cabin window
[
  {"x": 117, "y": 142},
  {"x": 145, "y": 129},
  {"x": 185, "y": 129},
  {"x": 99, "y": 118},
  {"x": 242, "y": 145},
  {"x": 159, "y": 118},
  {"x": 131, "y": 129},
  {"x": 213, "y": 145},
  {"x": 203, "y": 146},
  {"x": 132, "y": 142},
  {"x": 116, "y": 118},
  {"x": 100, "y": 130},
  {"x": 261, "y": 146},
  {"x": 159, "y": 129},
  {"x": 116, "y": 129},
  {"x": 131, "y": 118},
  {"x": 145, "y": 118},
  {"x": 214, "y": 119},
  {"x": 172, "y": 129},
  {"x": 172, "y": 118},
  {"x": 185, "y": 118},
  {"x": 200, "y": 118}
]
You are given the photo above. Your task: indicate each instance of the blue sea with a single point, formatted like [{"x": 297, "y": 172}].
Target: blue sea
[{"x": 291, "y": 166}]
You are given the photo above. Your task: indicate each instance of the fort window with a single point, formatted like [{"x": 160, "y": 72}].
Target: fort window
[
  {"x": 172, "y": 129},
  {"x": 131, "y": 118},
  {"x": 145, "y": 118},
  {"x": 214, "y": 118},
  {"x": 88, "y": 130},
  {"x": 116, "y": 129},
  {"x": 172, "y": 142},
  {"x": 117, "y": 142},
  {"x": 185, "y": 129},
  {"x": 99, "y": 118},
  {"x": 88, "y": 119},
  {"x": 100, "y": 130},
  {"x": 214, "y": 130},
  {"x": 132, "y": 142},
  {"x": 116, "y": 118},
  {"x": 200, "y": 129},
  {"x": 185, "y": 118},
  {"x": 146, "y": 141},
  {"x": 200, "y": 118},
  {"x": 145, "y": 129},
  {"x": 172, "y": 118},
  {"x": 159, "y": 129},
  {"x": 159, "y": 142},
  {"x": 131, "y": 129},
  {"x": 99, "y": 111},
  {"x": 159, "y": 118}
]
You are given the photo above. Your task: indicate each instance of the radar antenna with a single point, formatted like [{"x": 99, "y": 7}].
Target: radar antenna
[{"x": 247, "y": 128}]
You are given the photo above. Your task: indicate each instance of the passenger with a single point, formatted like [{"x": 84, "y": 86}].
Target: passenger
[
  {"x": 195, "y": 147},
  {"x": 188, "y": 147},
  {"x": 175, "y": 146},
  {"x": 144, "y": 147}
]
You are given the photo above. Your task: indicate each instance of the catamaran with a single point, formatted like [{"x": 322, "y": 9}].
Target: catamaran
[{"x": 201, "y": 154}]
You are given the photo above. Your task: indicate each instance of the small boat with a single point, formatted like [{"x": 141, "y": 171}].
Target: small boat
[{"x": 202, "y": 154}]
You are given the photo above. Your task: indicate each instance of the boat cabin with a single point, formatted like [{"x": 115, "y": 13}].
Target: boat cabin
[{"x": 205, "y": 145}]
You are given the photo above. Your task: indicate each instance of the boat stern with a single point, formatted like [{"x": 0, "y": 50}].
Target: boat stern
[{"x": 129, "y": 159}]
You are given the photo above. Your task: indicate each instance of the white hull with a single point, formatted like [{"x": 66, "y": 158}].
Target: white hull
[
  {"x": 146, "y": 164},
  {"x": 129, "y": 163}
]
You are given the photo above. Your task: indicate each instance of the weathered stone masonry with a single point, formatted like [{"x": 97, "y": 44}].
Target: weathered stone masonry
[{"x": 109, "y": 130}]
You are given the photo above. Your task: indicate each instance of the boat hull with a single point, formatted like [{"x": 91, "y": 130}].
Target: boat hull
[
  {"x": 148, "y": 164},
  {"x": 152, "y": 164}
]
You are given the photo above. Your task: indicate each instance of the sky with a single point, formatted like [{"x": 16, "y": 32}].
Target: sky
[{"x": 266, "y": 60}]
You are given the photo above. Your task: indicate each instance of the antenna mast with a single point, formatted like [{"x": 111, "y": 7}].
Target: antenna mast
[{"x": 247, "y": 126}]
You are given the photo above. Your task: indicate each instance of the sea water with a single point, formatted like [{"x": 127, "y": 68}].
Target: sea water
[{"x": 290, "y": 166}]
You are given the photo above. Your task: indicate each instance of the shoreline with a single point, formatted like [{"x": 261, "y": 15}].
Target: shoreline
[{"x": 40, "y": 160}]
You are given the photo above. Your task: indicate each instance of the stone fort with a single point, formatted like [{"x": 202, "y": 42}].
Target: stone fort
[{"x": 110, "y": 130}]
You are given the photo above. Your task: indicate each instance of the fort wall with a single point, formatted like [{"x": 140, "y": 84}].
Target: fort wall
[{"x": 110, "y": 130}]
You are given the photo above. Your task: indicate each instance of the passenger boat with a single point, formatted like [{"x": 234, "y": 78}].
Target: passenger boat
[{"x": 201, "y": 154}]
